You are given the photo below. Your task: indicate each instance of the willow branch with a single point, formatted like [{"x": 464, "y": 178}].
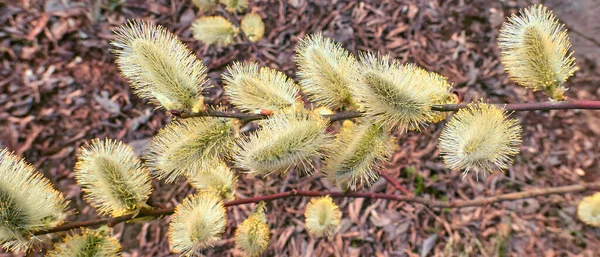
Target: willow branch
[
  {"x": 247, "y": 117},
  {"x": 294, "y": 193},
  {"x": 541, "y": 106}
]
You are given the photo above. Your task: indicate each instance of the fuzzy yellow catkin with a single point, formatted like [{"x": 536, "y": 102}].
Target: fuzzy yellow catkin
[
  {"x": 186, "y": 146},
  {"x": 91, "y": 243},
  {"x": 286, "y": 141},
  {"x": 322, "y": 217},
  {"x": 400, "y": 96},
  {"x": 327, "y": 72},
  {"x": 205, "y": 5},
  {"x": 217, "y": 179},
  {"x": 588, "y": 210},
  {"x": 198, "y": 222},
  {"x": 253, "y": 26},
  {"x": 112, "y": 177},
  {"x": 357, "y": 154},
  {"x": 253, "y": 89},
  {"x": 159, "y": 67},
  {"x": 235, "y": 5},
  {"x": 28, "y": 203},
  {"x": 253, "y": 235},
  {"x": 534, "y": 49},
  {"x": 214, "y": 30},
  {"x": 480, "y": 138}
]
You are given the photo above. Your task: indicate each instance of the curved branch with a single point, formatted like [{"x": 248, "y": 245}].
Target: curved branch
[{"x": 294, "y": 193}]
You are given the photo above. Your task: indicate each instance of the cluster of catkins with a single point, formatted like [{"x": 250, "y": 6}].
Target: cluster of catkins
[
  {"x": 391, "y": 97},
  {"x": 218, "y": 30}
]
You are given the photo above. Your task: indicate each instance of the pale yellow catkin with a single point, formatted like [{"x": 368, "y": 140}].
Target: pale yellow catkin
[
  {"x": 159, "y": 67},
  {"x": 397, "y": 95},
  {"x": 534, "y": 49},
  {"x": 322, "y": 217},
  {"x": 286, "y": 141},
  {"x": 29, "y": 203},
  {"x": 328, "y": 73},
  {"x": 112, "y": 177},
  {"x": 198, "y": 222},
  {"x": 214, "y": 30},
  {"x": 253, "y": 235},
  {"x": 253, "y": 26},
  {"x": 480, "y": 138}
]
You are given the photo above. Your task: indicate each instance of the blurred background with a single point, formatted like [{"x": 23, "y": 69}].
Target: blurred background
[{"x": 60, "y": 87}]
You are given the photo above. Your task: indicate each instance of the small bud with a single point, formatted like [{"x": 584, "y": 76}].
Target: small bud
[
  {"x": 534, "y": 49},
  {"x": 322, "y": 217},
  {"x": 214, "y": 30},
  {"x": 92, "y": 243},
  {"x": 480, "y": 138},
  {"x": 198, "y": 222},
  {"x": 113, "y": 177},
  {"x": 253, "y": 235},
  {"x": 159, "y": 67},
  {"x": 253, "y": 26}
]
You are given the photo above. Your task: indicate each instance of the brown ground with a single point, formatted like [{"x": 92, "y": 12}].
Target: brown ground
[{"x": 59, "y": 87}]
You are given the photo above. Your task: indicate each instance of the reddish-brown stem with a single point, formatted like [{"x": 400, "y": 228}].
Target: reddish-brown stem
[
  {"x": 542, "y": 106},
  {"x": 247, "y": 117},
  {"x": 294, "y": 193},
  {"x": 394, "y": 183}
]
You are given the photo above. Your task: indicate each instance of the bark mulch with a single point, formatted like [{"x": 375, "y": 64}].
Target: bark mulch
[{"x": 60, "y": 87}]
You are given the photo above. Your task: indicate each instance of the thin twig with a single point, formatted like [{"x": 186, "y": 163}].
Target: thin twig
[
  {"x": 541, "y": 106},
  {"x": 244, "y": 117},
  {"x": 247, "y": 117},
  {"x": 294, "y": 193},
  {"x": 394, "y": 183}
]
